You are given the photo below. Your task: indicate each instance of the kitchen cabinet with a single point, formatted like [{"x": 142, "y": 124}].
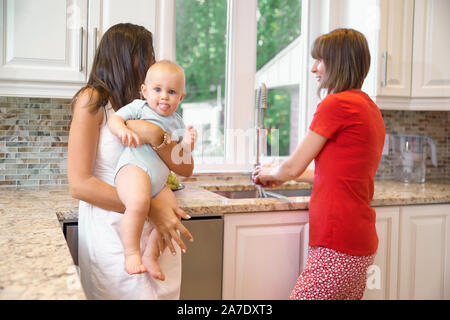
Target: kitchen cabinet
[
  {"x": 413, "y": 71},
  {"x": 409, "y": 46},
  {"x": 413, "y": 258},
  {"x": 47, "y": 47},
  {"x": 424, "y": 260},
  {"x": 269, "y": 250},
  {"x": 382, "y": 275},
  {"x": 263, "y": 254},
  {"x": 431, "y": 49},
  {"x": 44, "y": 46},
  {"x": 395, "y": 48}
]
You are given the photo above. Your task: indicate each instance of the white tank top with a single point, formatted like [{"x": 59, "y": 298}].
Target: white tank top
[{"x": 108, "y": 151}]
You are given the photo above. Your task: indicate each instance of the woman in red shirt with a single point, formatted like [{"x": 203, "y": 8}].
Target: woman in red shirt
[{"x": 345, "y": 139}]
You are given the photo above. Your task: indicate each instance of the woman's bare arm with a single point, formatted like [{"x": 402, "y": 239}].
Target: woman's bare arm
[
  {"x": 306, "y": 176},
  {"x": 295, "y": 165},
  {"x": 82, "y": 147},
  {"x": 153, "y": 134}
]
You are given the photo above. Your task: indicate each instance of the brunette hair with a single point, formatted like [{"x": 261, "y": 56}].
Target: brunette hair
[
  {"x": 123, "y": 56},
  {"x": 346, "y": 56}
]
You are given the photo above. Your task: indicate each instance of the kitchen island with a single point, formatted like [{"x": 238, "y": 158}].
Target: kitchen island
[{"x": 36, "y": 263}]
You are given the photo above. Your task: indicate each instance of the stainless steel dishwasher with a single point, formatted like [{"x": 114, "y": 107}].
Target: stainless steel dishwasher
[{"x": 201, "y": 264}]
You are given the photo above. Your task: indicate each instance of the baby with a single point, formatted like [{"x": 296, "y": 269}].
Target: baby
[{"x": 140, "y": 172}]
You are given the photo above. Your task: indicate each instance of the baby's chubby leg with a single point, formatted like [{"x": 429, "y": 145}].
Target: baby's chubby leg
[
  {"x": 153, "y": 249},
  {"x": 134, "y": 189}
]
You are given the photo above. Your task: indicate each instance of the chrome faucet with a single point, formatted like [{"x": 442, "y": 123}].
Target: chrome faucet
[{"x": 261, "y": 106}]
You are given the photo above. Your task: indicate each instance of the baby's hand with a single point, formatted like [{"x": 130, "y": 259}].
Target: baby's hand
[
  {"x": 129, "y": 138},
  {"x": 190, "y": 136}
]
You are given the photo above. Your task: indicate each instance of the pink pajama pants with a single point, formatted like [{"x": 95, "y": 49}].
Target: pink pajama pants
[{"x": 332, "y": 275}]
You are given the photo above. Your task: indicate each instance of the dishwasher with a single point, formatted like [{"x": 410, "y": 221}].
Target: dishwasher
[{"x": 201, "y": 264}]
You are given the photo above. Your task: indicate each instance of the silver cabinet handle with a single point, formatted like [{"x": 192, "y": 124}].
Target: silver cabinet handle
[
  {"x": 385, "y": 58},
  {"x": 81, "y": 49},
  {"x": 95, "y": 32}
]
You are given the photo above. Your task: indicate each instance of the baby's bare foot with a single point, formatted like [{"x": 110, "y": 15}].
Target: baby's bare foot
[
  {"x": 153, "y": 268},
  {"x": 133, "y": 264},
  {"x": 149, "y": 259}
]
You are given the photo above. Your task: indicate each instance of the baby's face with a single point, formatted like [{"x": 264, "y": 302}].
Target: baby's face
[{"x": 164, "y": 89}]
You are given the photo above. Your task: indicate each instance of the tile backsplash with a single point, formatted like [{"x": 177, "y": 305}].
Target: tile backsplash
[
  {"x": 434, "y": 124},
  {"x": 33, "y": 141},
  {"x": 34, "y": 135}
]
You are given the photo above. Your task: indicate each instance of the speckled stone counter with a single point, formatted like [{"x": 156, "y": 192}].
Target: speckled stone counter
[{"x": 35, "y": 262}]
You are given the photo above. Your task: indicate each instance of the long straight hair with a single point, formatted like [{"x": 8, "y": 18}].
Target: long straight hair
[
  {"x": 346, "y": 56},
  {"x": 121, "y": 61}
]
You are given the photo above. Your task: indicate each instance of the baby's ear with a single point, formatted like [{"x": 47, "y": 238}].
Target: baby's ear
[
  {"x": 143, "y": 91},
  {"x": 182, "y": 96}
]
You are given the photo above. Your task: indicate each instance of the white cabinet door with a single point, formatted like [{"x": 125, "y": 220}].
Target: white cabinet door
[
  {"x": 105, "y": 14},
  {"x": 47, "y": 46},
  {"x": 140, "y": 12},
  {"x": 431, "y": 63},
  {"x": 395, "y": 47},
  {"x": 382, "y": 275},
  {"x": 264, "y": 254},
  {"x": 43, "y": 40},
  {"x": 424, "y": 266}
]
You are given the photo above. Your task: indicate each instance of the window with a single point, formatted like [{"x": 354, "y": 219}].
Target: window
[
  {"x": 201, "y": 28},
  {"x": 227, "y": 48},
  {"x": 278, "y": 66}
]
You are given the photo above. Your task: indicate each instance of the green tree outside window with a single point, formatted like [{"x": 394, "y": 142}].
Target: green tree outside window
[{"x": 201, "y": 51}]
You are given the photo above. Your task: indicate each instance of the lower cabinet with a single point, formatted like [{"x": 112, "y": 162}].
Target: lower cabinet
[
  {"x": 382, "y": 275},
  {"x": 263, "y": 254},
  {"x": 424, "y": 262}
]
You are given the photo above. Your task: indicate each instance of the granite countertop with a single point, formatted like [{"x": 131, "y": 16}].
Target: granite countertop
[{"x": 36, "y": 263}]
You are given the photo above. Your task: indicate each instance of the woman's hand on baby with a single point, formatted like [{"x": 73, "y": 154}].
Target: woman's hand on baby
[
  {"x": 166, "y": 219},
  {"x": 129, "y": 138}
]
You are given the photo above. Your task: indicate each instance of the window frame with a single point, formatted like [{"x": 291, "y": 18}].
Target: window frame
[{"x": 240, "y": 76}]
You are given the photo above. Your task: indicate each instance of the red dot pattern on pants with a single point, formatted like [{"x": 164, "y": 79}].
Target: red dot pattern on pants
[{"x": 332, "y": 275}]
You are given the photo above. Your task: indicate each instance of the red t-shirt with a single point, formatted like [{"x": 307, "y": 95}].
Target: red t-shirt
[{"x": 340, "y": 216}]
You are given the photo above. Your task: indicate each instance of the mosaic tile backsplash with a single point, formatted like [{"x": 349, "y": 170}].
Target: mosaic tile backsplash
[
  {"x": 434, "y": 124},
  {"x": 33, "y": 141},
  {"x": 34, "y": 134}
]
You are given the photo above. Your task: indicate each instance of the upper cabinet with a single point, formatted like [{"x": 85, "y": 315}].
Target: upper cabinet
[
  {"x": 409, "y": 46},
  {"x": 47, "y": 46},
  {"x": 44, "y": 42},
  {"x": 413, "y": 69},
  {"x": 46, "y": 49},
  {"x": 395, "y": 48},
  {"x": 431, "y": 49}
]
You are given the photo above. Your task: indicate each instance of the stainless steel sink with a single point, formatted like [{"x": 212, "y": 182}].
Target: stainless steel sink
[
  {"x": 242, "y": 194},
  {"x": 293, "y": 192},
  {"x": 278, "y": 193}
]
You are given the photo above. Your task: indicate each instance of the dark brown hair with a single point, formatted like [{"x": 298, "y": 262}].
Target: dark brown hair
[
  {"x": 121, "y": 61},
  {"x": 346, "y": 56}
]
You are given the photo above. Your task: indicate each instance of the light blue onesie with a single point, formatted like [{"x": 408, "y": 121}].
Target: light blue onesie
[{"x": 144, "y": 156}]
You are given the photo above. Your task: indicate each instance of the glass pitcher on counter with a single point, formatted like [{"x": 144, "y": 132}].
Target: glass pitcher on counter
[{"x": 410, "y": 155}]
